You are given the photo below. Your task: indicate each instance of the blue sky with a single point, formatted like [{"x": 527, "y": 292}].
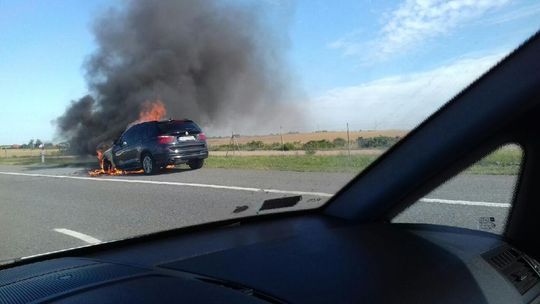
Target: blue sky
[
  {"x": 375, "y": 64},
  {"x": 352, "y": 39}
]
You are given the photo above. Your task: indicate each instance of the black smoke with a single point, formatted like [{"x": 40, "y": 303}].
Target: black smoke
[{"x": 220, "y": 64}]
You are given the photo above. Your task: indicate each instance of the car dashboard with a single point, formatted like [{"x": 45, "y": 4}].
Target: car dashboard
[{"x": 293, "y": 259}]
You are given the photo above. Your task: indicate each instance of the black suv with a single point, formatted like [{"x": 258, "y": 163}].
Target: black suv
[{"x": 153, "y": 145}]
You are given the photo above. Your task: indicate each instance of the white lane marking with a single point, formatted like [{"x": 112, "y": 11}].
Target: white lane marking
[
  {"x": 468, "y": 203},
  {"x": 51, "y": 252},
  {"x": 321, "y": 194},
  {"x": 78, "y": 235},
  {"x": 139, "y": 181}
]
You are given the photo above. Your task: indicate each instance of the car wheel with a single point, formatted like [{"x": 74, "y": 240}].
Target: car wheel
[
  {"x": 107, "y": 166},
  {"x": 196, "y": 164},
  {"x": 149, "y": 164}
]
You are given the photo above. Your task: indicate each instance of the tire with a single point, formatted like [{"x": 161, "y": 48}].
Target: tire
[
  {"x": 149, "y": 164},
  {"x": 107, "y": 166},
  {"x": 196, "y": 164}
]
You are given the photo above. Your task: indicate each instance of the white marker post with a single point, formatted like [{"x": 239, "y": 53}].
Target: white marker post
[{"x": 42, "y": 152}]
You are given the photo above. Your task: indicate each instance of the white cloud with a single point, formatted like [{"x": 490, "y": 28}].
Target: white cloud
[
  {"x": 515, "y": 14},
  {"x": 398, "y": 102},
  {"x": 413, "y": 22},
  {"x": 348, "y": 43}
]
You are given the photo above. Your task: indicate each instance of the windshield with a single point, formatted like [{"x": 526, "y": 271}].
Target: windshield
[{"x": 261, "y": 107}]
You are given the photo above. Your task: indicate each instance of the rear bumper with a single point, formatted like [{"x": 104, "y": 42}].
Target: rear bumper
[{"x": 182, "y": 156}]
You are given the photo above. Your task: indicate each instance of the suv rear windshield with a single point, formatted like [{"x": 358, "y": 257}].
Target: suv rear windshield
[{"x": 171, "y": 127}]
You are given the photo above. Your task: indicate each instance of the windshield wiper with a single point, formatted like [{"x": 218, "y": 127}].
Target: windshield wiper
[{"x": 282, "y": 202}]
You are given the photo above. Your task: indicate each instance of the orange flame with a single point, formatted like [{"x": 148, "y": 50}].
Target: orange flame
[
  {"x": 109, "y": 170},
  {"x": 150, "y": 111},
  {"x": 102, "y": 170}
]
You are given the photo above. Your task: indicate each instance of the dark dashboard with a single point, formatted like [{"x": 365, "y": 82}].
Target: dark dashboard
[{"x": 302, "y": 259}]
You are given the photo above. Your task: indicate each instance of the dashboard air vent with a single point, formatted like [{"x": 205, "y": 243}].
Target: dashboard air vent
[
  {"x": 504, "y": 258},
  {"x": 518, "y": 268}
]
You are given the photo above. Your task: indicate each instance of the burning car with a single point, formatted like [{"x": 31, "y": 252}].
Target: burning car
[{"x": 152, "y": 145}]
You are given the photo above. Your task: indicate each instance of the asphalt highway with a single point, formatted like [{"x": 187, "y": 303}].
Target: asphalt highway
[{"x": 48, "y": 209}]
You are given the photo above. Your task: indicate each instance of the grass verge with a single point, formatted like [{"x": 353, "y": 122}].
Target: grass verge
[
  {"x": 501, "y": 162},
  {"x": 302, "y": 163},
  {"x": 504, "y": 161},
  {"x": 50, "y": 162}
]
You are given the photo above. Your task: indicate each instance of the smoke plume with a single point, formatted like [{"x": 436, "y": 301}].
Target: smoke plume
[{"x": 219, "y": 64}]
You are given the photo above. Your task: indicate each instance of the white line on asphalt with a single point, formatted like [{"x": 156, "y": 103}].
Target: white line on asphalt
[
  {"x": 78, "y": 235},
  {"x": 139, "y": 181},
  {"x": 468, "y": 203},
  {"x": 54, "y": 251},
  {"x": 321, "y": 194}
]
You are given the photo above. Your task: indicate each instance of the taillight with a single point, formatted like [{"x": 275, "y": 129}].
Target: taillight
[
  {"x": 165, "y": 139},
  {"x": 201, "y": 136}
]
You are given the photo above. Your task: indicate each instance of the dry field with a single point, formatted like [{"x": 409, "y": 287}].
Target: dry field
[
  {"x": 26, "y": 152},
  {"x": 305, "y": 137}
]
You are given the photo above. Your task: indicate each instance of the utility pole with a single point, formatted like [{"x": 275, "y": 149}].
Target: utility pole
[
  {"x": 281, "y": 135},
  {"x": 233, "y": 145},
  {"x": 230, "y": 145},
  {"x": 348, "y": 143}
]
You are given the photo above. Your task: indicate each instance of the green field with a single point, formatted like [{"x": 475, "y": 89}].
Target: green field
[
  {"x": 504, "y": 161},
  {"x": 59, "y": 161},
  {"x": 301, "y": 163},
  {"x": 501, "y": 162}
]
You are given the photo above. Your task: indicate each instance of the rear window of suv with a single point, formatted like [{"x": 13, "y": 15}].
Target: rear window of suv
[{"x": 171, "y": 127}]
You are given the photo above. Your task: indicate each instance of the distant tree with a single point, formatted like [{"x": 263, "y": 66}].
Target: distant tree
[
  {"x": 31, "y": 144},
  {"x": 339, "y": 142},
  {"x": 318, "y": 145},
  {"x": 63, "y": 146},
  {"x": 288, "y": 146},
  {"x": 254, "y": 145},
  {"x": 274, "y": 146},
  {"x": 377, "y": 142},
  {"x": 38, "y": 143}
]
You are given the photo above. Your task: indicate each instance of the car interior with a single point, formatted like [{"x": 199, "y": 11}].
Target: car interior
[{"x": 347, "y": 250}]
